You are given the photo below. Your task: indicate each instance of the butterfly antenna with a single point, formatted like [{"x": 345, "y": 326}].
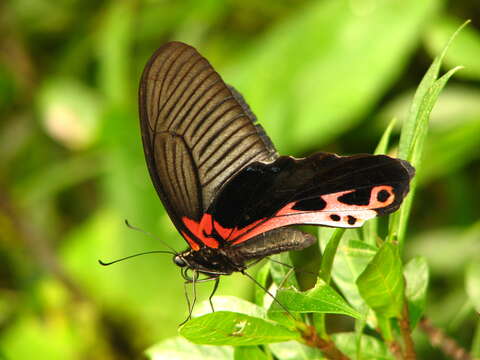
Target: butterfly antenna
[
  {"x": 269, "y": 293},
  {"x": 135, "y": 255},
  {"x": 130, "y": 226}
]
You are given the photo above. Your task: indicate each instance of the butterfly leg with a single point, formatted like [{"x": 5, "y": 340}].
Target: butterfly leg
[
  {"x": 190, "y": 280},
  {"x": 188, "y": 303},
  {"x": 215, "y": 287}
]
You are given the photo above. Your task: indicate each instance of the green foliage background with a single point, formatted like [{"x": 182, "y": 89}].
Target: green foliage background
[{"x": 320, "y": 75}]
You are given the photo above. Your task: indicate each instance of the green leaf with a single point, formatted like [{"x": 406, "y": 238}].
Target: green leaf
[
  {"x": 329, "y": 255},
  {"x": 293, "y": 350},
  {"x": 180, "y": 349},
  {"x": 422, "y": 96},
  {"x": 464, "y": 51},
  {"x": 334, "y": 82},
  {"x": 371, "y": 348},
  {"x": 249, "y": 353},
  {"x": 414, "y": 132},
  {"x": 381, "y": 283},
  {"x": 472, "y": 282},
  {"x": 230, "y": 328},
  {"x": 416, "y": 277},
  {"x": 321, "y": 299},
  {"x": 352, "y": 258},
  {"x": 382, "y": 146}
]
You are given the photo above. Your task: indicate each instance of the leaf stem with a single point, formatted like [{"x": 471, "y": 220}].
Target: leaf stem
[
  {"x": 395, "y": 349},
  {"x": 327, "y": 347},
  {"x": 385, "y": 329},
  {"x": 404, "y": 323}
]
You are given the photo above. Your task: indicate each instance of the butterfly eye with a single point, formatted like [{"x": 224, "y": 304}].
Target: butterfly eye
[{"x": 178, "y": 260}]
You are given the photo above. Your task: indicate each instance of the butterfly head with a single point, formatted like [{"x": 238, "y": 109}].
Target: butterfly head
[{"x": 179, "y": 260}]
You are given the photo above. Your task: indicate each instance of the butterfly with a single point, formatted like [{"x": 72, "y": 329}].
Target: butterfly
[{"x": 230, "y": 195}]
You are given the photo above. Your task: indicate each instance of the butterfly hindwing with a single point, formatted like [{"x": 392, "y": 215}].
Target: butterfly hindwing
[{"x": 322, "y": 189}]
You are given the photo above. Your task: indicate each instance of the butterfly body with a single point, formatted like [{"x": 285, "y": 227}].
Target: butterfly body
[{"x": 228, "y": 192}]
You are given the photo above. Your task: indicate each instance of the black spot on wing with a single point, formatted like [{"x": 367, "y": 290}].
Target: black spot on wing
[
  {"x": 335, "y": 217},
  {"x": 314, "y": 204},
  {"x": 383, "y": 196},
  {"x": 351, "y": 220},
  {"x": 357, "y": 197}
]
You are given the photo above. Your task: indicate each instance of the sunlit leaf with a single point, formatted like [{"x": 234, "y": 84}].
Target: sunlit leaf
[
  {"x": 229, "y": 328},
  {"x": 321, "y": 299},
  {"x": 414, "y": 133},
  {"x": 352, "y": 258},
  {"x": 381, "y": 283}
]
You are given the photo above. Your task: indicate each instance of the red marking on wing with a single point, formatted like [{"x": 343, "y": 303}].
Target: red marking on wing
[
  {"x": 201, "y": 230},
  {"x": 192, "y": 243},
  {"x": 222, "y": 231},
  {"x": 236, "y": 233},
  {"x": 288, "y": 216},
  {"x": 206, "y": 223}
]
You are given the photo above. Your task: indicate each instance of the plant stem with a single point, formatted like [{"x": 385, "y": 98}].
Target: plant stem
[
  {"x": 439, "y": 339},
  {"x": 404, "y": 323},
  {"x": 395, "y": 349},
  {"x": 327, "y": 347},
  {"x": 385, "y": 329}
]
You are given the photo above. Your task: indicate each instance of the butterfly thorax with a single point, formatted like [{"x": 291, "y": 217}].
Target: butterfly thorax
[{"x": 211, "y": 261}]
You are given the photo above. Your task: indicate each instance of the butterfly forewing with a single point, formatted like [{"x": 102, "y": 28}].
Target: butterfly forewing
[{"x": 196, "y": 131}]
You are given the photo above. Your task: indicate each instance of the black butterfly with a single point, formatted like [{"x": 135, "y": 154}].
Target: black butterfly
[{"x": 228, "y": 192}]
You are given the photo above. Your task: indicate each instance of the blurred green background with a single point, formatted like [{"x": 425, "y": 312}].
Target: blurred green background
[{"x": 320, "y": 75}]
